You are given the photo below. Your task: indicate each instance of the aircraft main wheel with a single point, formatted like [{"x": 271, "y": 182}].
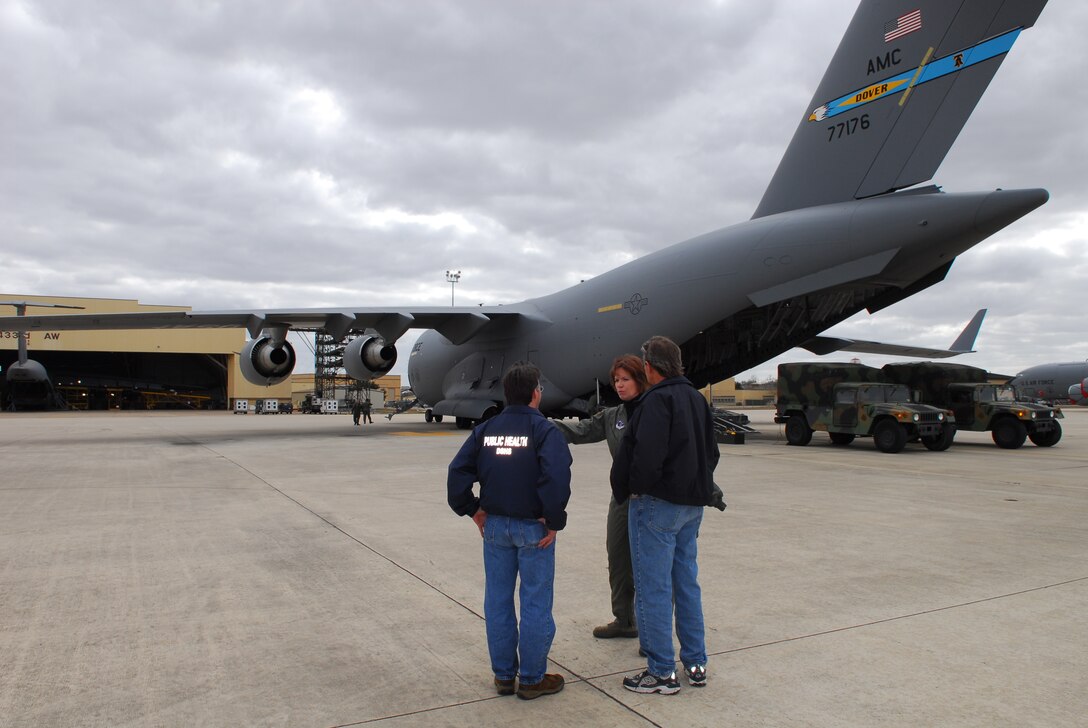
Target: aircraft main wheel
[
  {"x": 438, "y": 419},
  {"x": 797, "y": 431},
  {"x": 942, "y": 441},
  {"x": 463, "y": 423},
  {"x": 1048, "y": 438},
  {"x": 1009, "y": 433},
  {"x": 489, "y": 413},
  {"x": 429, "y": 416},
  {"x": 841, "y": 438},
  {"x": 889, "y": 436}
]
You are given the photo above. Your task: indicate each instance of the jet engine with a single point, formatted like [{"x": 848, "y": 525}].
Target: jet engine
[
  {"x": 366, "y": 357},
  {"x": 1078, "y": 393},
  {"x": 264, "y": 363}
]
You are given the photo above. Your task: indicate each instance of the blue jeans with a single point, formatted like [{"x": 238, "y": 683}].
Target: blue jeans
[
  {"x": 663, "y": 553},
  {"x": 510, "y": 549}
]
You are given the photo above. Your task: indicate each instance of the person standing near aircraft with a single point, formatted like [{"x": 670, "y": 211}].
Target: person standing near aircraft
[
  {"x": 356, "y": 410},
  {"x": 366, "y": 412},
  {"x": 523, "y": 466},
  {"x": 629, "y": 381},
  {"x": 664, "y": 468},
  {"x": 609, "y": 424}
]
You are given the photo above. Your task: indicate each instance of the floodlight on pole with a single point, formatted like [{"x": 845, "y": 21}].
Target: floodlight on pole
[{"x": 452, "y": 279}]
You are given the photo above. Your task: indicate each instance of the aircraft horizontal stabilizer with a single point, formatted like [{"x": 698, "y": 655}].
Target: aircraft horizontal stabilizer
[{"x": 964, "y": 344}]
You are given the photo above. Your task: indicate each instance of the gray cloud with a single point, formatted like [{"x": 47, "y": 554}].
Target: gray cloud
[{"x": 228, "y": 155}]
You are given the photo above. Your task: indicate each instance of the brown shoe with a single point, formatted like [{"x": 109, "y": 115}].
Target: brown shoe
[
  {"x": 504, "y": 687},
  {"x": 550, "y": 685},
  {"x": 615, "y": 629}
]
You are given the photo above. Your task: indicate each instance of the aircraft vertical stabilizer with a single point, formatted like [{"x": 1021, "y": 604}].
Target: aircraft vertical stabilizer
[{"x": 899, "y": 89}]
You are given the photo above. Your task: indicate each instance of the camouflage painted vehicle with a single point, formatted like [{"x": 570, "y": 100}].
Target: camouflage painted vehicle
[
  {"x": 853, "y": 400},
  {"x": 979, "y": 405}
]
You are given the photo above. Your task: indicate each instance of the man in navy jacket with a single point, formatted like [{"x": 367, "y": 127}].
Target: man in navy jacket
[
  {"x": 523, "y": 465},
  {"x": 665, "y": 468}
]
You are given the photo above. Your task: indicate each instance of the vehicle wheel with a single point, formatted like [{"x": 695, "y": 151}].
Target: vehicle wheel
[
  {"x": 1048, "y": 438},
  {"x": 841, "y": 438},
  {"x": 889, "y": 436},
  {"x": 438, "y": 419},
  {"x": 1010, "y": 433},
  {"x": 429, "y": 416},
  {"x": 942, "y": 441},
  {"x": 797, "y": 431}
]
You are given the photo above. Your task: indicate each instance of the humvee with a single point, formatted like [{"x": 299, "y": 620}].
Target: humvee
[
  {"x": 980, "y": 405},
  {"x": 853, "y": 400}
]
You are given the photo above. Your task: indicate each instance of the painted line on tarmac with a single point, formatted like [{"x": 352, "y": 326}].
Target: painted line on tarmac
[{"x": 424, "y": 434}]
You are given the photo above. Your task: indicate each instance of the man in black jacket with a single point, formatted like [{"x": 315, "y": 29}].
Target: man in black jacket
[
  {"x": 523, "y": 465},
  {"x": 665, "y": 466}
]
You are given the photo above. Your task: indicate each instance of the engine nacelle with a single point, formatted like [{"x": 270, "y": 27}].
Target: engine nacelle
[
  {"x": 1078, "y": 393},
  {"x": 367, "y": 357},
  {"x": 265, "y": 364},
  {"x": 27, "y": 371}
]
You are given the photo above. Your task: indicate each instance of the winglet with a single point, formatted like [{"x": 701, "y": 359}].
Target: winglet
[{"x": 965, "y": 342}]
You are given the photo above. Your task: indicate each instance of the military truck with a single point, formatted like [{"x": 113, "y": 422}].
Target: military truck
[
  {"x": 979, "y": 405},
  {"x": 853, "y": 400}
]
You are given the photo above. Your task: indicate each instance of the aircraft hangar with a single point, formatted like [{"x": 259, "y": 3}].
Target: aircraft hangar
[{"x": 137, "y": 369}]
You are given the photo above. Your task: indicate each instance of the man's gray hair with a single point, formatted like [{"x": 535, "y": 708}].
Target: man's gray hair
[{"x": 663, "y": 355}]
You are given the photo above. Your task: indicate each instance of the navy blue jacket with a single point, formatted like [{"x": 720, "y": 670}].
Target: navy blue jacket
[
  {"x": 522, "y": 463},
  {"x": 669, "y": 450}
]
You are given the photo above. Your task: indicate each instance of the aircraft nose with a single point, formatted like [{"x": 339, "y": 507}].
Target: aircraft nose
[{"x": 1002, "y": 207}]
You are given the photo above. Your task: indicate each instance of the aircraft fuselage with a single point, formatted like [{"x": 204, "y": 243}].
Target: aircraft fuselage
[{"x": 885, "y": 242}]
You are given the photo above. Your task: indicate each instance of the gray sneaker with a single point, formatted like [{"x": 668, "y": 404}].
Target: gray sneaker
[
  {"x": 644, "y": 682},
  {"x": 696, "y": 675}
]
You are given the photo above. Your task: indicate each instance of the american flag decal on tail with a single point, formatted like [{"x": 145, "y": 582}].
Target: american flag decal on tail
[{"x": 902, "y": 25}]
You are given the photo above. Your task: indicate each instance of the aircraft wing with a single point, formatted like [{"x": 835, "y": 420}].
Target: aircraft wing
[
  {"x": 458, "y": 324},
  {"x": 963, "y": 344}
]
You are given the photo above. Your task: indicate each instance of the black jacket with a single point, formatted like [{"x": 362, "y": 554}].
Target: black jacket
[
  {"x": 669, "y": 450},
  {"x": 522, "y": 463}
]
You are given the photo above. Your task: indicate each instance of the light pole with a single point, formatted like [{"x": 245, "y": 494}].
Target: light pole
[{"x": 452, "y": 279}]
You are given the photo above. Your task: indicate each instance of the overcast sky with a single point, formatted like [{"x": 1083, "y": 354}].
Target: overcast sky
[{"x": 237, "y": 154}]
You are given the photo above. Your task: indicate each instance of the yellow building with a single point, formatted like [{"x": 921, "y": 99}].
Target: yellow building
[
  {"x": 138, "y": 369},
  {"x": 725, "y": 394}
]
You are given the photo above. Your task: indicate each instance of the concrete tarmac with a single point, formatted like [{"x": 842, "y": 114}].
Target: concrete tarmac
[{"x": 162, "y": 569}]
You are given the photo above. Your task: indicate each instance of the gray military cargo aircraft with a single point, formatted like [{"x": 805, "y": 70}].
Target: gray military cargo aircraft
[
  {"x": 836, "y": 231},
  {"x": 1060, "y": 382}
]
